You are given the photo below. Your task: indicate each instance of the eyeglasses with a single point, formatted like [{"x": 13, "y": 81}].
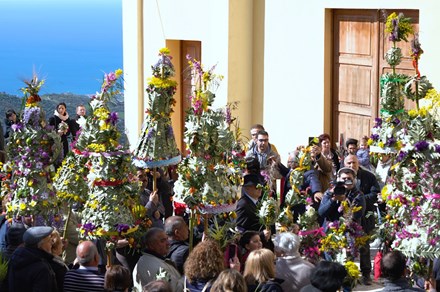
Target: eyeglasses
[{"x": 263, "y": 140}]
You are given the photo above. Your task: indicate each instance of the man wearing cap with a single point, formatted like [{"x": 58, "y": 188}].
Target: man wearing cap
[
  {"x": 367, "y": 183},
  {"x": 29, "y": 268},
  {"x": 246, "y": 210},
  {"x": 332, "y": 199}
]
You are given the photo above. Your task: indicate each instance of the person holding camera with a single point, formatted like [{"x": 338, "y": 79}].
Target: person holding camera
[{"x": 344, "y": 189}]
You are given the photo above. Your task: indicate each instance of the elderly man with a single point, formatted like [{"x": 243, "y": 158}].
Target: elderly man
[
  {"x": 29, "y": 267},
  {"x": 290, "y": 266},
  {"x": 367, "y": 183},
  {"x": 86, "y": 277},
  {"x": 153, "y": 261},
  {"x": 177, "y": 231}
]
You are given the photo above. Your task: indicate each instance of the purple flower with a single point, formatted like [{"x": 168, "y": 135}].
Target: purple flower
[
  {"x": 122, "y": 227},
  {"x": 16, "y": 127},
  {"x": 112, "y": 118},
  {"x": 421, "y": 145},
  {"x": 437, "y": 148},
  {"x": 390, "y": 142},
  {"x": 401, "y": 156},
  {"x": 89, "y": 227},
  {"x": 170, "y": 131},
  {"x": 396, "y": 121},
  {"x": 374, "y": 137},
  {"x": 377, "y": 122},
  {"x": 228, "y": 116},
  {"x": 150, "y": 134}
]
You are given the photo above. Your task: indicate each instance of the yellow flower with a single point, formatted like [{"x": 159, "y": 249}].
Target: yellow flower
[
  {"x": 164, "y": 51},
  {"x": 118, "y": 73},
  {"x": 22, "y": 206},
  {"x": 33, "y": 203}
]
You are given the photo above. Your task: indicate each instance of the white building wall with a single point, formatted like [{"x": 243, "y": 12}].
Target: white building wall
[
  {"x": 294, "y": 62},
  {"x": 200, "y": 20},
  {"x": 294, "y": 54}
]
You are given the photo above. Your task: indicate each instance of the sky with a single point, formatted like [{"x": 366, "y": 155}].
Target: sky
[{"x": 69, "y": 43}]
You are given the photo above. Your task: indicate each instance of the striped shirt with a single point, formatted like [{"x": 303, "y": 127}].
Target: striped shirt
[{"x": 83, "y": 279}]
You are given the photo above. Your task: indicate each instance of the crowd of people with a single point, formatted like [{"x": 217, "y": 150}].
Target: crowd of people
[{"x": 259, "y": 259}]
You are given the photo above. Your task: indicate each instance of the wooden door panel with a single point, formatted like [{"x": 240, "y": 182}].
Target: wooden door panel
[
  {"x": 355, "y": 124},
  {"x": 193, "y": 49},
  {"x": 357, "y": 81},
  {"x": 355, "y": 72},
  {"x": 360, "y": 44}
]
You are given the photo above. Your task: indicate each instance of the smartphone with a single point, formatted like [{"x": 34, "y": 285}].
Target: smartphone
[{"x": 232, "y": 251}]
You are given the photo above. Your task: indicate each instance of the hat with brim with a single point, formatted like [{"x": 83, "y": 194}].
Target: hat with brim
[
  {"x": 34, "y": 235},
  {"x": 252, "y": 180}
]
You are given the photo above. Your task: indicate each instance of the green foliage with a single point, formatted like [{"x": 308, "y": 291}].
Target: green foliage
[{"x": 3, "y": 268}]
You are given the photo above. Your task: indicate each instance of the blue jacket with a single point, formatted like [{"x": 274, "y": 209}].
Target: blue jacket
[{"x": 328, "y": 208}]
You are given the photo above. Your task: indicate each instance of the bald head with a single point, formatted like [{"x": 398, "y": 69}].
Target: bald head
[
  {"x": 352, "y": 162},
  {"x": 87, "y": 254}
]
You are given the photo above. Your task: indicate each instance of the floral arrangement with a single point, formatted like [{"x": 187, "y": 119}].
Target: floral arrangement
[
  {"x": 111, "y": 210},
  {"x": 268, "y": 212},
  {"x": 32, "y": 149},
  {"x": 389, "y": 131},
  {"x": 412, "y": 194},
  {"x": 210, "y": 176},
  {"x": 156, "y": 146},
  {"x": 297, "y": 194},
  {"x": 311, "y": 234},
  {"x": 70, "y": 181}
]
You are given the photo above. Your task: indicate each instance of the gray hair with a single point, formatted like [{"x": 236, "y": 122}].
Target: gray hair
[
  {"x": 287, "y": 243},
  {"x": 172, "y": 224}
]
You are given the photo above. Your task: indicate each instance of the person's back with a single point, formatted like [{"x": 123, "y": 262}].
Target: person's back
[
  {"x": 28, "y": 268},
  {"x": 86, "y": 277},
  {"x": 393, "y": 268}
]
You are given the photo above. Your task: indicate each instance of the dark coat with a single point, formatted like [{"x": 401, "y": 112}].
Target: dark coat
[
  {"x": 367, "y": 183},
  {"x": 29, "y": 270},
  {"x": 179, "y": 251},
  {"x": 246, "y": 211},
  {"x": 328, "y": 208},
  {"x": 273, "y": 285},
  {"x": 247, "y": 218},
  {"x": 55, "y": 121}
]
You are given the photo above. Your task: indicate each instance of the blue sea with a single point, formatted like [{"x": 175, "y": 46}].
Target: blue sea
[{"x": 69, "y": 43}]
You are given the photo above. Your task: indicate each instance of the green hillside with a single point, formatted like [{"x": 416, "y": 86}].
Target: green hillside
[{"x": 50, "y": 101}]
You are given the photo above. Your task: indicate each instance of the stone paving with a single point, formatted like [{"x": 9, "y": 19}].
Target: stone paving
[{"x": 376, "y": 286}]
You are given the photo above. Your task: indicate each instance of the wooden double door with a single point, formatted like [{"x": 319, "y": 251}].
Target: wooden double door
[{"x": 360, "y": 43}]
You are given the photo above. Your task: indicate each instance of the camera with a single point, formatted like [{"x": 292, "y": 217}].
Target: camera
[{"x": 339, "y": 188}]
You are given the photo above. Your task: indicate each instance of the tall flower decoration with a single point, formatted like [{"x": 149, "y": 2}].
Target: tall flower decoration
[
  {"x": 210, "y": 176},
  {"x": 32, "y": 150},
  {"x": 156, "y": 146},
  {"x": 111, "y": 210},
  {"x": 411, "y": 195}
]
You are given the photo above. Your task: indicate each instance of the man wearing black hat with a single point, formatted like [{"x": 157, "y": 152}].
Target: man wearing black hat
[
  {"x": 29, "y": 268},
  {"x": 247, "y": 218}
]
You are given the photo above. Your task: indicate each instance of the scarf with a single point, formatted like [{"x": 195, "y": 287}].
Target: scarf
[{"x": 63, "y": 118}]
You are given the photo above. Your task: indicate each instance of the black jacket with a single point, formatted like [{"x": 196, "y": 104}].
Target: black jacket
[
  {"x": 179, "y": 251},
  {"x": 367, "y": 183},
  {"x": 29, "y": 270},
  {"x": 273, "y": 285}
]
